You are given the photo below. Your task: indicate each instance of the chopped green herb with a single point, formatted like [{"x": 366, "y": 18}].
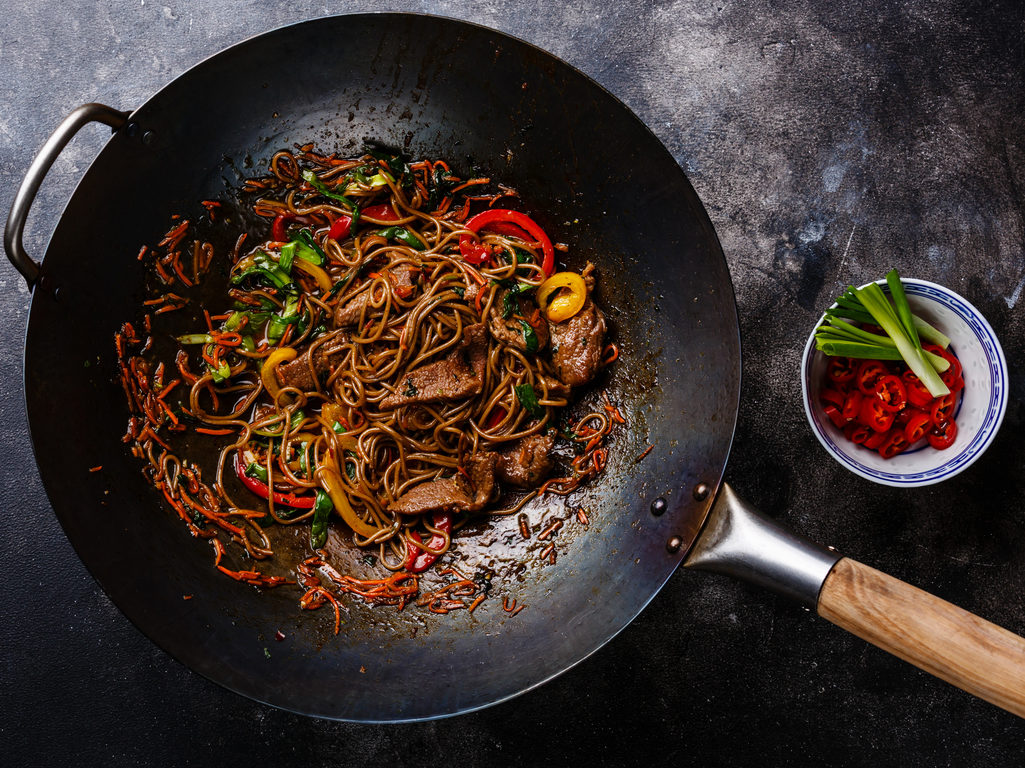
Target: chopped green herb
[
  {"x": 528, "y": 399},
  {"x": 529, "y": 336}
]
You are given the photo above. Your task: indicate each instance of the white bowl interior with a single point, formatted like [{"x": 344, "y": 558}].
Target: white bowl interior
[{"x": 979, "y": 412}]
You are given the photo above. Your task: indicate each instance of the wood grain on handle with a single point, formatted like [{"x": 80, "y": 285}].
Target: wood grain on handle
[{"x": 944, "y": 640}]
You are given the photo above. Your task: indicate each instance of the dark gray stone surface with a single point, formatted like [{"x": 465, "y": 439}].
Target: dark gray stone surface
[{"x": 829, "y": 140}]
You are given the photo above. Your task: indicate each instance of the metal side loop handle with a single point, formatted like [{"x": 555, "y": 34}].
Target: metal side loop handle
[{"x": 15, "y": 229}]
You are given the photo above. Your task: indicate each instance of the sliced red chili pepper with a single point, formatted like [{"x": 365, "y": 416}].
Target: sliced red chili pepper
[
  {"x": 918, "y": 395},
  {"x": 835, "y": 416},
  {"x": 417, "y": 559},
  {"x": 830, "y": 396},
  {"x": 873, "y": 415},
  {"x": 474, "y": 252},
  {"x": 841, "y": 369},
  {"x": 944, "y": 436},
  {"x": 869, "y": 372},
  {"x": 918, "y": 424},
  {"x": 261, "y": 489},
  {"x": 893, "y": 445},
  {"x": 890, "y": 391},
  {"x": 876, "y": 439},
  {"x": 942, "y": 410},
  {"x": 852, "y": 405},
  {"x": 857, "y": 433}
]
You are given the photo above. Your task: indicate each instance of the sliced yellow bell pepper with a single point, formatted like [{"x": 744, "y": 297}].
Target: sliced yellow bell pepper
[
  {"x": 274, "y": 359},
  {"x": 331, "y": 482},
  {"x": 572, "y": 293}
]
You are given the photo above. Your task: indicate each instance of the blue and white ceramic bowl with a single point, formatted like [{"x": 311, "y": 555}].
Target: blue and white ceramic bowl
[{"x": 979, "y": 412}]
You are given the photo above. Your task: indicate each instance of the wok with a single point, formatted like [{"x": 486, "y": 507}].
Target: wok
[{"x": 437, "y": 88}]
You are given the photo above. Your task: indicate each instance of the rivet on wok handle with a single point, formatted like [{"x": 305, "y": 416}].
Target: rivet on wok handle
[
  {"x": 674, "y": 544},
  {"x": 701, "y": 492},
  {"x": 659, "y": 506}
]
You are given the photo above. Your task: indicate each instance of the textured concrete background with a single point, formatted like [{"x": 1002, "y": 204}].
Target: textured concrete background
[{"x": 829, "y": 140}]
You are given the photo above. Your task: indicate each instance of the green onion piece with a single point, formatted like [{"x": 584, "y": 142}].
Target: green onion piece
[
  {"x": 196, "y": 338},
  {"x": 322, "y": 188},
  {"x": 287, "y": 256},
  {"x": 930, "y": 333},
  {"x": 321, "y": 514},
  {"x": 528, "y": 399},
  {"x": 308, "y": 250},
  {"x": 874, "y": 300},
  {"x": 338, "y": 428},
  {"x": 257, "y": 470},
  {"x": 860, "y": 350},
  {"x": 403, "y": 235},
  {"x": 221, "y": 373},
  {"x": 900, "y": 302}
]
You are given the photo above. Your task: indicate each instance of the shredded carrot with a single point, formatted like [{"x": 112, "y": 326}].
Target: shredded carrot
[
  {"x": 217, "y": 432},
  {"x": 645, "y": 453}
]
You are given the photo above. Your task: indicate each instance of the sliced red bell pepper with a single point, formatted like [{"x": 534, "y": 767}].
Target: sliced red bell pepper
[
  {"x": 340, "y": 228},
  {"x": 261, "y": 489},
  {"x": 381, "y": 212},
  {"x": 279, "y": 229},
  {"x": 475, "y": 252},
  {"x": 417, "y": 559}
]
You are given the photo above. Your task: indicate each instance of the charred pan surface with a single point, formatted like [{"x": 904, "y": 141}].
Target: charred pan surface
[{"x": 458, "y": 375}]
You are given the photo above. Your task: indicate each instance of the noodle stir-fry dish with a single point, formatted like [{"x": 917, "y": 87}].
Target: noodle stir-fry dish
[{"x": 395, "y": 353}]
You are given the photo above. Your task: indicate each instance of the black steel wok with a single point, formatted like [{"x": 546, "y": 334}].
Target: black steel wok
[{"x": 436, "y": 88}]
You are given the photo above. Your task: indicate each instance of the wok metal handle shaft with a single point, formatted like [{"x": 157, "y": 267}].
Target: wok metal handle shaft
[
  {"x": 15, "y": 229},
  {"x": 946, "y": 641}
]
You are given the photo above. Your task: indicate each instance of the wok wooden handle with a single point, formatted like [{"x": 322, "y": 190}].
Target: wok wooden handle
[{"x": 944, "y": 640}]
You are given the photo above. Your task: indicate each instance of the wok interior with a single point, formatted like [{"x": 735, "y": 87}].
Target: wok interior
[{"x": 587, "y": 170}]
